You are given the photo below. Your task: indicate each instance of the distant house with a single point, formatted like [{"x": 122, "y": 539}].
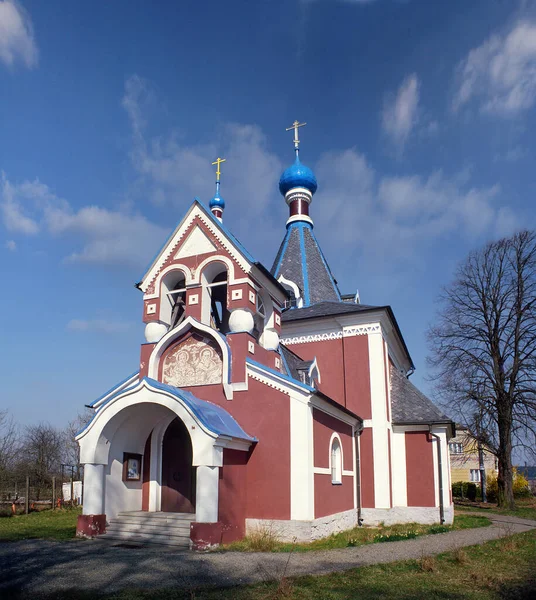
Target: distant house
[
  {"x": 464, "y": 465},
  {"x": 530, "y": 474}
]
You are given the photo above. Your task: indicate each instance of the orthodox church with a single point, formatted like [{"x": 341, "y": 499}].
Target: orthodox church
[{"x": 263, "y": 398}]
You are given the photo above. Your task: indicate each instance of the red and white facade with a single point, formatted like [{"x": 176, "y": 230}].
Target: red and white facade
[{"x": 246, "y": 418}]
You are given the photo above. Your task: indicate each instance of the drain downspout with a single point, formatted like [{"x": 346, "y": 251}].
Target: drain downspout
[
  {"x": 440, "y": 476},
  {"x": 358, "y": 431}
]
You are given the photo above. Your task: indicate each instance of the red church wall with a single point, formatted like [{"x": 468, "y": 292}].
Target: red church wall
[
  {"x": 330, "y": 498},
  {"x": 232, "y": 494},
  {"x": 323, "y": 426},
  {"x": 350, "y": 386},
  {"x": 357, "y": 375},
  {"x": 264, "y": 413},
  {"x": 145, "y": 355},
  {"x": 367, "y": 468},
  {"x": 329, "y": 354},
  {"x": 420, "y": 469}
]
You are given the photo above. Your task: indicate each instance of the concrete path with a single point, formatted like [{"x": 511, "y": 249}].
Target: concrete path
[{"x": 39, "y": 568}]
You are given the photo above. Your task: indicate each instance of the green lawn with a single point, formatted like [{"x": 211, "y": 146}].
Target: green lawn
[
  {"x": 48, "y": 524},
  {"x": 265, "y": 540},
  {"x": 501, "y": 570},
  {"x": 525, "y": 508}
]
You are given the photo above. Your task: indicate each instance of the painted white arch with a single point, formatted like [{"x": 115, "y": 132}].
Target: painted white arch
[
  {"x": 171, "y": 336},
  {"x": 139, "y": 410},
  {"x": 219, "y": 258},
  {"x": 174, "y": 267}
]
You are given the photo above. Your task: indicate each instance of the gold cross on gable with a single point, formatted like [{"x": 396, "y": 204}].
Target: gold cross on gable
[
  {"x": 218, "y": 162},
  {"x": 295, "y": 126}
]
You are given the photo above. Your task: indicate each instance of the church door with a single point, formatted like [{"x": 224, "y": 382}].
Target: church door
[{"x": 178, "y": 475}]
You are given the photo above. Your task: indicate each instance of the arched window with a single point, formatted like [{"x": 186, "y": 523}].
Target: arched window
[
  {"x": 214, "y": 310},
  {"x": 172, "y": 298},
  {"x": 336, "y": 461}
]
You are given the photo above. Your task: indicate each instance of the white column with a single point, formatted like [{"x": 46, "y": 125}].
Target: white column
[
  {"x": 301, "y": 460},
  {"x": 380, "y": 425},
  {"x": 93, "y": 489},
  {"x": 206, "y": 502}
]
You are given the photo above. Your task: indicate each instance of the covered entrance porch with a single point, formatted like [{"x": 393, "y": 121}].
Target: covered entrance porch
[{"x": 155, "y": 448}]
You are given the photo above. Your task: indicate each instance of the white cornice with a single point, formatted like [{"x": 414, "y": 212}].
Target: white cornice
[{"x": 348, "y": 325}]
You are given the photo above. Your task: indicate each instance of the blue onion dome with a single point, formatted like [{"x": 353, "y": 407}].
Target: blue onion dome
[
  {"x": 217, "y": 201},
  {"x": 297, "y": 175}
]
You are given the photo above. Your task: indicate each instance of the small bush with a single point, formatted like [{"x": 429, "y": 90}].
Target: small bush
[
  {"x": 464, "y": 489},
  {"x": 5, "y": 511},
  {"x": 520, "y": 486}
]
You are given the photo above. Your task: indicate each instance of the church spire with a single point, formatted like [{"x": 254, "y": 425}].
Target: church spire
[
  {"x": 217, "y": 204},
  {"x": 298, "y": 184},
  {"x": 300, "y": 263}
]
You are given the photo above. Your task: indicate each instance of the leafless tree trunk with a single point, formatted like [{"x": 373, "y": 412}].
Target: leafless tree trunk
[
  {"x": 9, "y": 441},
  {"x": 484, "y": 347}
]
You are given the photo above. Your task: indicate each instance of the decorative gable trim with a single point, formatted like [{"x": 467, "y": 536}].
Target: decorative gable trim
[
  {"x": 196, "y": 243},
  {"x": 171, "y": 247}
]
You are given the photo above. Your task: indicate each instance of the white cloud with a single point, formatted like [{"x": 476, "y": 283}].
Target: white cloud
[
  {"x": 11, "y": 245},
  {"x": 501, "y": 73},
  {"x": 397, "y": 217},
  {"x": 105, "y": 236},
  {"x": 401, "y": 111},
  {"x": 98, "y": 325},
  {"x": 17, "y": 40},
  {"x": 174, "y": 172}
]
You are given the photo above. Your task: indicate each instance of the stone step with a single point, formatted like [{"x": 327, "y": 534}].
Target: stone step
[
  {"x": 139, "y": 514},
  {"x": 151, "y": 527},
  {"x": 147, "y": 538}
]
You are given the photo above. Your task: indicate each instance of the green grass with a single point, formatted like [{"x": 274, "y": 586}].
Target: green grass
[
  {"x": 48, "y": 524},
  {"x": 525, "y": 508},
  {"x": 500, "y": 570},
  {"x": 266, "y": 540}
]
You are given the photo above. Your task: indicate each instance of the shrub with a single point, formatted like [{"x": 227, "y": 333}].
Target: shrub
[
  {"x": 520, "y": 485},
  {"x": 465, "y": 489},
  {"x": 5, "y": 511}
]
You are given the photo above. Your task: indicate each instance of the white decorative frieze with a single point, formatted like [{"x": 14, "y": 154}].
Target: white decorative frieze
[{"x": 338, "y": 334}]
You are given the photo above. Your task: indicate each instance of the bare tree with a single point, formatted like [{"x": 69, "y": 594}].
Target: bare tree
[
  {"x": 484, "y": 347},
  {"x": 71, "y": 449},
  {"x": 41, "y": 454},
  {"x": 9, "y": 441}
]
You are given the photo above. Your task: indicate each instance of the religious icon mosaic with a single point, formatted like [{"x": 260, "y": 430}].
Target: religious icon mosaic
[{"x": 196, "y": 361}]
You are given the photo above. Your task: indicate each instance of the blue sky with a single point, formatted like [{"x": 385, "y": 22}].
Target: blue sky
[{"x": 420, "y": 117}]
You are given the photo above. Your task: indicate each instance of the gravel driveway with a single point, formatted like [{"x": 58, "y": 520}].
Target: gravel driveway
[{"x": 39, "y": 567}]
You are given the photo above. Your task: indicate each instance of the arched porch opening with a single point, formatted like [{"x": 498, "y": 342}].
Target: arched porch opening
[{"x": 178, "y": 472}]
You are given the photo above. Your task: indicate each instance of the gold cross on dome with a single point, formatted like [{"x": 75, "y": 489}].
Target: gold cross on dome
[
  {"x": 218, "y": 162},
  {"x": 295, "y": 126}
]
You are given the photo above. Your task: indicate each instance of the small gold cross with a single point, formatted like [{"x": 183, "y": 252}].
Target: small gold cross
[
  {"x": 218, "y": 162},
  {"x": 295, "y": 126}
]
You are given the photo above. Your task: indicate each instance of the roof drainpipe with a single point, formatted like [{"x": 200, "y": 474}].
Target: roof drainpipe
[
  {"x": 440, "y": 475},
  {"x": 358, "y": 474}
]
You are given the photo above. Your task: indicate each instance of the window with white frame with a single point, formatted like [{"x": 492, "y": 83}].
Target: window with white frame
[
  {"x": 475, "y": 475},
  {"x": 455, "y": 448},
  {"x": 336, "y": 462}
]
